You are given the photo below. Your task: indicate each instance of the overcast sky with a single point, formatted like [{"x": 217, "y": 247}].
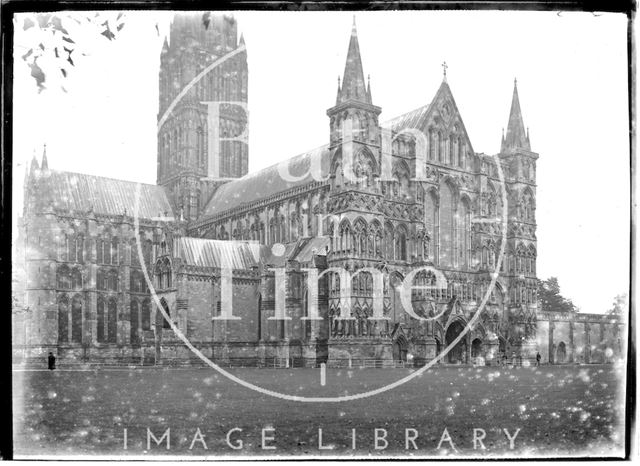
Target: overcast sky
[{"x": 572, "y": 82}]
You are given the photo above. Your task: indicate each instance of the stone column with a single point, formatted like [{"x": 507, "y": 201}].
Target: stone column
[
  {"x": 124, "y": 317},
  {"x": 571, "y": 344},
  {"x": 92, "y": 324},
  {"x": 587, "y": 343},
  {"x": 551, "y": 347}
]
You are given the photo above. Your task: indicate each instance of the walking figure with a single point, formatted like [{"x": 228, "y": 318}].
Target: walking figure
[
  {"x": 538, "y": 357},
  {"x": 51, "y": 361}
]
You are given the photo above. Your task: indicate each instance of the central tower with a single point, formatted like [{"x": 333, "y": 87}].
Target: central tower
[{"x": 202, "y": 109}]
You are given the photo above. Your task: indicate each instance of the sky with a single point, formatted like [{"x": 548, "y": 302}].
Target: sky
[{"x": 572, "y": 82}]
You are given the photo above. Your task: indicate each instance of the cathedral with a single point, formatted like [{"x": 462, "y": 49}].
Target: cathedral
[{"x": 376, "y": 249}]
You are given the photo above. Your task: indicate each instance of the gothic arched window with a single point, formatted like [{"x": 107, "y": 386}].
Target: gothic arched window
[
  {"x": 101, "y": 320},
  {"x": 134, "y": 321},
  {"x": 71, "y": 248},
  {"x": 63, "y": 319},
  {"x": 63, "y": 277},
  {"x": 401, "y": 245},
  {"x": 112, "y": 321},
  {"x": 99, "y": 251},
  {"x": 464, "y": 233},
  {"x": 200, "y": 146},
  {"x": 146, "y": 314},
  {"x": 135, "y": 258},
  {"x": 114, "y": 251},
  {"x": 76, "y": 279},
  {"x": 112, "y": 280},
  {"x": 447, "y": 225},
  {"x": 76, "y": 319}
]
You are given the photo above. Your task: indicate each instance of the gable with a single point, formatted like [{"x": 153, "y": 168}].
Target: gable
[{"x": 441, "y": 114}]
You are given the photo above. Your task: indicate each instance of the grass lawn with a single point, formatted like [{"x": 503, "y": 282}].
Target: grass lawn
[{"x": 560, "y": 410}]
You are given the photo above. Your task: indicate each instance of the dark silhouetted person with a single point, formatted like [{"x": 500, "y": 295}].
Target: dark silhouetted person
[
  {"x": 52, "y": 361},
  {"x": 538, "y": 358}
]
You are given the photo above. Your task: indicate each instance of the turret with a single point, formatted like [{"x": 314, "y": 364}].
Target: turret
[{"x": 353, "y": 99}]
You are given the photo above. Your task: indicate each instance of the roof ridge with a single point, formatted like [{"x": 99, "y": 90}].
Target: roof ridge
[{"x": 104, "y": 177}]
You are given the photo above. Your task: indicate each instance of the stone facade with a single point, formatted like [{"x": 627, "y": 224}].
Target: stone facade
[{"x": 383, "y": 203}]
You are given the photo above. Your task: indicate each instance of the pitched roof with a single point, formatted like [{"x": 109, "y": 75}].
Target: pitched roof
[
  {"x": 106, "y": 196},
  {"x": 268, "y": 181},
  {"x": 216, "y": 253},
  {"x": 419, "y": 118},
  {"x": 310, "y": 246}
]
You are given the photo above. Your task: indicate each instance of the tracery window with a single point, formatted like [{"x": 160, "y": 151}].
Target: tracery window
[
  {"x": 63, "y": 277},
  {"x": 63, "y": 319}
]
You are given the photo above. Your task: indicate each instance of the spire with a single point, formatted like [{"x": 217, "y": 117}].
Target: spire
[
  {"x": 45, "y": 163},
  {"x": 516, "y": 137},
  {"x": 353, "y": 87},
  {"x": 34, "y": 163}
]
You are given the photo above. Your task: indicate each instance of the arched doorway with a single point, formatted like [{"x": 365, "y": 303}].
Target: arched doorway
[
  {"x": 502, "y": 348},
  {"x": 476, "y": 348},
  {"x": 295, "y": 353},
  {"x": 457, "y": 354},
  {"x": 561, "y": 353},
  {"x": 400, "y": 348}
]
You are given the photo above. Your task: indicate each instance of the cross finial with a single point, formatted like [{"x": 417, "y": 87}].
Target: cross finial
[
  {"x": 515, "y": 81},
  {"x": 444, "y": 70}
]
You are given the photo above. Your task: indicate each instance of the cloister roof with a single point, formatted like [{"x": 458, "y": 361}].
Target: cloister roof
[
  {"x": 216, "y": 253},
  {"x": 106, "y": 196}
]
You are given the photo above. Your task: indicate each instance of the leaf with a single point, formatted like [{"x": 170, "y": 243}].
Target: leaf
[
  {"x": 41, "y": 46},
  {"x": 43, "y": 20},
  {"x": 206, "y": 19},
  {"x": 157, "y": 29},
  {"x": 64, "y": 72},
  {"x": 27, "y": 55},
  {"x": 28, "y": 23},
  {"x": 37, "y": 74},
  {"x": 108, "y": 34},
  {"x": 56, "y": 22},
  {"x": 120, "y": 26},
  {"x": 68, "y": 39},
  {"x": 56, "y": 52}
]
